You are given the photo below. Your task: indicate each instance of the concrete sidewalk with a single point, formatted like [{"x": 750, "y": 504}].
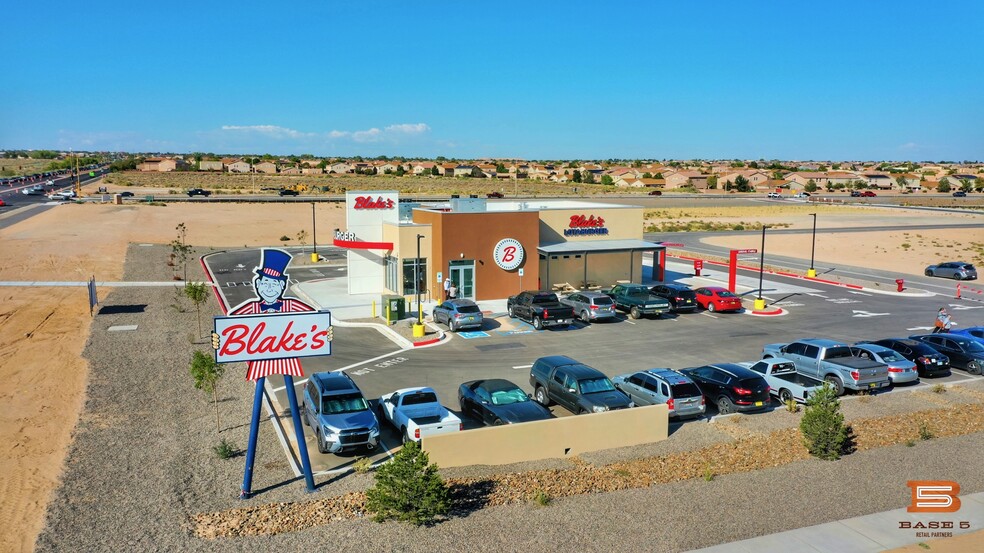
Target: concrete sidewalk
[{"x": 864, "y": 534}]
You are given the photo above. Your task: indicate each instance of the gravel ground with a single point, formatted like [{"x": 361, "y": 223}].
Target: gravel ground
[{"x": 141, "y": 465}]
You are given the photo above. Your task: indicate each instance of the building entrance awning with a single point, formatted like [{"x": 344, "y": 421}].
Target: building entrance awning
[{"x": 599, "y": 246}]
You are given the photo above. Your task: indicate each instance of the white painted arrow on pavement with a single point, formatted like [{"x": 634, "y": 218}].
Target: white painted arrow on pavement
[
  {"x": 866, "y": 314},
  {"x": 858, "y": 293},
  {"x": 961, "y": 307},
  {"x": 920, "y": 328}
]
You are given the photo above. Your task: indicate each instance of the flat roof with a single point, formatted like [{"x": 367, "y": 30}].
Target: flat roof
[
  {"x": 499, "y": 206},
  {"x": 599, "y": 246}
]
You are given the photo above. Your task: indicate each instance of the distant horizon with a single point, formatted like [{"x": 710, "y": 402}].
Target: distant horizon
[{"x": 635, "y": 80}]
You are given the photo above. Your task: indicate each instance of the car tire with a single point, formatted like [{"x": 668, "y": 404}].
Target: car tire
[
  {"x": 956, "y": 276},
  {"x": 304, "y": 417},
  {"x": 537, "y": 323},
  {"x": 541, "y": 396},
  {"x": 836, "y": 383},
  {"x": 512, "y": 314},
  {"x": 321, "y": 444},
  {"x": 634, "y": 313},
  {"x": 497, "y": 422},
  {"x": 584, "y": 316},
  {"x": 725, "y": 406},
  {"x": 452, "y": 326},
  {"x": 785, "y": 395},
  {"x": 929, "y": 273},
  {"x": 405, "y": 434},
  {"x": 711, "y": 308},
  {"x": 974, "y": 367}
]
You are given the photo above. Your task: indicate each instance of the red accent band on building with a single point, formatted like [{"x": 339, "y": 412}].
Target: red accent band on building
[{"x": 359, "y": 245}]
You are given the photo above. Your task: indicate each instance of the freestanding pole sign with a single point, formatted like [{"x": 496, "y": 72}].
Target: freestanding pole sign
[{"x": 271, "y": 333}]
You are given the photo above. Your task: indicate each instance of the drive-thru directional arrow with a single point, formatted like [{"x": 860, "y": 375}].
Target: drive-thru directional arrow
[
  {"x": 858, "y": 313},
  {"x": 960, "y": 307}
]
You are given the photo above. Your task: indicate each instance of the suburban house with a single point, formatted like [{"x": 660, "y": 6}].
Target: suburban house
[
  {"x": 340, "y": 167},
  {"x": 423, "y": 168},
  {"x": 755, "y": 178},
  {"x": 210, "y": 165},
  {"x": 290, "y": 170},
  {"x": 881, "y": 181},
  {"x": 161, "y": 164},
  {"x": 312, "y": 170},
  {"x": 239, "y": 167},
  {"x": 266, "y": 167},
  {"x": 388, "y": 166}
]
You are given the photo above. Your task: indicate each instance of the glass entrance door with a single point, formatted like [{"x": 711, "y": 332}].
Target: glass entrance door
[{"x": 463, "y": 275}]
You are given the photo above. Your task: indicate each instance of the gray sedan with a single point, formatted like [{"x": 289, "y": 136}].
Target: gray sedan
[
  {"x": 458, "y": 314},
  {"x": 900, "y": 369},
  {"x": 957, "y": 270},
  {"x": 591, "y": 306}
]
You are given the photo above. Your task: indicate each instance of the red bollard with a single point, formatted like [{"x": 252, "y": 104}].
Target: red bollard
[
  {"x": 900, "y": 283},
  {"x": 698, "y": 265}
]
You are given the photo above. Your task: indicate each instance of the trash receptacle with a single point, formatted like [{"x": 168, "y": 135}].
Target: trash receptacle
[{"x": 394, "y": 308}]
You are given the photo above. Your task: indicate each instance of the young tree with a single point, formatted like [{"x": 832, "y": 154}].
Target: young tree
[
  {"x": 811, "y": 186},
  {"x": 501, "y": 168},
  {"x": 207, "y": 374},
  {"x": 658, "y": 176},
  {"x": 577, "y": 176},
  {"x": 197, "y": 292},
  {"x": 408, "y": 489},
  {"x": 647, "y": 175},
  {"x": 435, "y": 171},
  {"x": 741, "y": 183},
  {"x": 588, "y": 177},
  {"x": 944, "y": 185},
  {"x": 181, "y": 250},
  {"x": 822, "y": 426},
  {"x": 607, "y": 180},
  {"x": 712, "y": 182},
  {"x": 902, "y": 182}
]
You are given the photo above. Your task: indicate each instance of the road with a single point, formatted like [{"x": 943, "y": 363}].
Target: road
[{"x": 35, "y": 204}]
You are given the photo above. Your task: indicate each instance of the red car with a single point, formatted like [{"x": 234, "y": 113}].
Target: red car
[
  {"x": 716, "y": 298},
  {"x": 868, "y": 194},
  {"x": 2, "y": 203}
]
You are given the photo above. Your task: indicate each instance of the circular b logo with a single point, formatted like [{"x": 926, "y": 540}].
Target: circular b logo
[{"x": 508, "y": 254}]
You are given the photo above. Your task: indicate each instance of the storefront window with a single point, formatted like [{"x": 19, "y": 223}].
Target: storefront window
[
  {"x": 409, "y": 266},
  {"x": 392, "y": 278}
]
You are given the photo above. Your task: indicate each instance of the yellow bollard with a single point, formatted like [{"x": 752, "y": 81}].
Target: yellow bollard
[
  {"x": 387, "y": 313},
  {"x": 314, "y": 258},
  {"x": 373, "y": 309},
  {"x": 759, "y": 304},
  {"x": 811, "y": 273},
  {"x": 418, "y": 331}
]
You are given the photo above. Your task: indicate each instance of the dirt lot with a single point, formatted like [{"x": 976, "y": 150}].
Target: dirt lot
[{"x": 46, "y": 329}]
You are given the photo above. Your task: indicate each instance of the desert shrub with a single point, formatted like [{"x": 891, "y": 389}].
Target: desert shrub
[
  {"x": 822, "y": 426},
  {"x": 792, "y": 406},
  {"x": 408, "y": 489},
  {"x": 363, "y": 465},
  {"x": 225, "y": 449},
  {"x": 925, "y": 433},
  {"x": 542, "y": 498}
]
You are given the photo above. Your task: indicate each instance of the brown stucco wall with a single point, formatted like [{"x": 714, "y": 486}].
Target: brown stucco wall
[
  {"x": 549, "y": 439},
  {"x": 475, "y": 235}
]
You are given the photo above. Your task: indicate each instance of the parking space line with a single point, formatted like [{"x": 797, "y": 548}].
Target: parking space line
[
  {"x": 709, "y": 315},
  {"x": 523, "y": 366}
]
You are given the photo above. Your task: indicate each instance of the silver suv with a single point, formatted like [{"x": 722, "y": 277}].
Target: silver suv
[
  {"x": 591, "y": 306},
  {"x": 339, "y": 414},
  {"x": 658, "y": 386}
]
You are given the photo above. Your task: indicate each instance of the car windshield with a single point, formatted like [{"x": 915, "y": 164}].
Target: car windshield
[
  {"x": 685, "y": 389},
  {"x": 592, "y": 385},
  {"x": 469, "y": 309},
  {"x": 890, "y": 357},
  {"x": 421, "y": 398},
  {"x": 508, "y": 397},
  {"x": 545, "y": 298},
  {"x": 637, "y": 291},
  {"x": 726, "y": 294},
  {"x": 347, "y": 403},
  {"x": 603, "y": 301},
  {"x": 971, "y": 346}
]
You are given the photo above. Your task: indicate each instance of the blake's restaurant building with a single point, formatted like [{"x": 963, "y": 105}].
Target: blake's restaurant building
[{"x": 489, "y": 249}]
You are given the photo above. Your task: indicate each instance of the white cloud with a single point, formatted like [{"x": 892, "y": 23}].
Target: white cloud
[
  {"x": 272, "y": 131},
  {"x": 408, "y": 128},
  {"x": 389, "y": 133},
  {"x": 909, "y": 146}
]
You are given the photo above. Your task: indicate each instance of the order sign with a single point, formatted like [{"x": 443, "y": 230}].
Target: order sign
[
  {"x": 508, "y": 254},
  {"x": 273, "y": 336}
]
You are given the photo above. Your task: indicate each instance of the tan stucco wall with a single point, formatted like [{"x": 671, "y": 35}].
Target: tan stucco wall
[
  {"x": 622, "y": 223},
  {"x": 549, "y": 439}
]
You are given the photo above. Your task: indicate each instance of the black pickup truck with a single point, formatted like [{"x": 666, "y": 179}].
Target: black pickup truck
[{"x": 539, "y": 308}]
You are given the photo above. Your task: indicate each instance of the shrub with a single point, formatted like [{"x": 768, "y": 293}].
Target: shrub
[
  {"x": 939, "y": 388},
  {"x": 225, "y": 449},
  {"x": 542, "y": 498},
  {"x": 792, "y": 406},
  {"x": 363, "y": 465},
  {"x": 925, "y": 433},
  {"x": 408, "y": 489},
  {"x": 284, "y": 238},
  {"x": 708, "y": 473},
  {"x": 822, "y": 426}
]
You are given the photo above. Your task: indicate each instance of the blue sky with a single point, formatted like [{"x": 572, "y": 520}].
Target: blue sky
[{"x": 535, "y": 80}]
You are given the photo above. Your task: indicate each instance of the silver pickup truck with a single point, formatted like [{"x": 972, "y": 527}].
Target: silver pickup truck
[
  {"x": 831, "y": 361},
  {"x": 784, "y": 382}
]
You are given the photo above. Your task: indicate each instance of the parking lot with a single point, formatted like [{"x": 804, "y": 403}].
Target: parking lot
[{"x": 506, "y": 348}]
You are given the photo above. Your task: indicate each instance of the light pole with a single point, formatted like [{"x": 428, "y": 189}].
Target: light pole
[
  {"x": 314, "y": 234},
  {"x": 416, "y": 279},
  {"x": 759, "y": 302},
  {"x": 812, "y": 273}
]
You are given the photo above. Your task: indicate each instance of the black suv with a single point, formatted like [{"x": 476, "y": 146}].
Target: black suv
[
  {"x": 199, "y": 192},
  {"x": 287, "y": 192},
  {"x": 929, "y": 361},
  {"x": 680, "y": 296},
  {"x": 732, "y": 387},
  {"x": 577, "y": 387}
]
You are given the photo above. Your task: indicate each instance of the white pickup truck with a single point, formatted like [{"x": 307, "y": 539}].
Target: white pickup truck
[
  {"x": 784, "y": 382},
  {"x": 417, "y": 414}
]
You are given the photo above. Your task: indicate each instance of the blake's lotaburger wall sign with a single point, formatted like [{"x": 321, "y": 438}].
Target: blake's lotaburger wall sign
[
  {"x": 582, "y": 224},
  {"x": 508, "y": 254}
]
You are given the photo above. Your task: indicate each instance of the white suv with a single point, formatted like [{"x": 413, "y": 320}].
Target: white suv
[{"x": 775, "y": 195}]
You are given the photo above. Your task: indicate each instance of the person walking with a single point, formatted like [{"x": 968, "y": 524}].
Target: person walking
[
  {"x": 452, "y": 291},
  {"x": 447, "y": 288},
  {"x": 943, "y": 322}
]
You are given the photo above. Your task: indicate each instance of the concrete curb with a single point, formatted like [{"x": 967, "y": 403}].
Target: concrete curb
[
  {"x": 383, "y": 329},
  {"x": 773, "y": 313}
]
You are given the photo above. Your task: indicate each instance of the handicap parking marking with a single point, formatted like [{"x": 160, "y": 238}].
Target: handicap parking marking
[
  {"x": 473, "y": 334},
  {"x": 514, "y": 332}
]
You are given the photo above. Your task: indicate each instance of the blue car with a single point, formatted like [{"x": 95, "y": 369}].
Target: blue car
[
  {"x": 976, "y": 332},
  {"x": 458, "y": 314}
]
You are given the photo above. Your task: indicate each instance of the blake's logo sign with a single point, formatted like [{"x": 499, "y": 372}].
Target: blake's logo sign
[
  {"x": 582, "y": 225},
  {"x": 366, "y": 202},
  {"x": 272, "y": 336}
]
